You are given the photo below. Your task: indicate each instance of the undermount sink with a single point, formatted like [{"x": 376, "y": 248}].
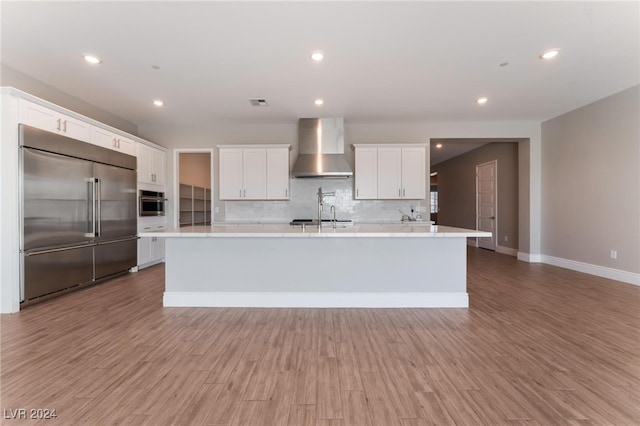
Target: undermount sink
[{"x": 314, "y": 222}]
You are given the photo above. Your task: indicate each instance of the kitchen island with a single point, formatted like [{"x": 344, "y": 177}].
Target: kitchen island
[{"x": 386, "y": 265}]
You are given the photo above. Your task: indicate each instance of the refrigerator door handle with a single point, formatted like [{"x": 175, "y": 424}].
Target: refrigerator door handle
[
  {"x": 98, "y": 213},
  {"x": 92, "y": 204},
  {"x": 119, "y": 240},
  {"x": 56, "y": 250}
]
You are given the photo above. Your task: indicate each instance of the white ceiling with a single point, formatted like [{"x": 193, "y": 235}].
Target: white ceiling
[{"x": 385, "y": 61}]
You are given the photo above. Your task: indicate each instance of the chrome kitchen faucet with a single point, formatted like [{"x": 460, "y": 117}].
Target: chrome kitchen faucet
[{"x": 321, "y": 196}]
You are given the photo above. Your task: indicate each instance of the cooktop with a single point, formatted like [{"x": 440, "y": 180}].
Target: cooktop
[{"x": 299, "y": 222}]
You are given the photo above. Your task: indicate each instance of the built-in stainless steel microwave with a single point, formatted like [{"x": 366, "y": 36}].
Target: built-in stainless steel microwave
[{"x": 152, "y": 203}]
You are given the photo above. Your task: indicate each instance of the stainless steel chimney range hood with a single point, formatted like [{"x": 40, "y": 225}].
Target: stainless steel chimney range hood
[{"x": 321, "y": 149}]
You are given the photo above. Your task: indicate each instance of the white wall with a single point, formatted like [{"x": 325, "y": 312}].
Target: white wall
[
  {"x": 13, "y": 78},
  {"x": 591, "y": 184},
  {"x": 195, "y": 169}
]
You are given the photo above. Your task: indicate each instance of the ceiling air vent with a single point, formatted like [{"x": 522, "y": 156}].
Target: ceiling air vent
[{"x": 258, "y": 102}]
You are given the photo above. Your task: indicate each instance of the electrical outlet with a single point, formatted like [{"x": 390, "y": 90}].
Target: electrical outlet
[
  {"x": 216, "y": 210},
  {"x": 614, "y": 254},
  {"x": 506, "y": 238}
]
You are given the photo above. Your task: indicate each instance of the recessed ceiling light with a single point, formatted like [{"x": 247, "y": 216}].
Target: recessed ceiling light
[
  {"x": 158, "y": 103},
  {"x": 439, "y": 145},
  {"x": 318, "y": 102},
  {"x": 549, "y": 54},
  {"x": 482, "y": 100},
  {"x": 317, "y": 55},
  {"x": 92, "y": 59}
]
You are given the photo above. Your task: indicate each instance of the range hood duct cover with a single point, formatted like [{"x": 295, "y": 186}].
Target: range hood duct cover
[{"x": 321, "y": 149}]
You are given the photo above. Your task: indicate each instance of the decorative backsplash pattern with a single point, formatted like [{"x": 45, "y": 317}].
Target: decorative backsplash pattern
[{"x": 303, "y": 204}]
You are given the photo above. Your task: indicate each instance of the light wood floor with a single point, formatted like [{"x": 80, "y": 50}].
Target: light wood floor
[{"x": 539, "y": 345}]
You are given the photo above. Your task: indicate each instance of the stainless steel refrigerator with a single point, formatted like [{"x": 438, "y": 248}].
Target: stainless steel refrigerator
[{"x": 78, "y": 213}]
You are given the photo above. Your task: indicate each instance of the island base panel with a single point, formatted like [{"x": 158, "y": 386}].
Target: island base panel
[{"x": 318, "y": 272}]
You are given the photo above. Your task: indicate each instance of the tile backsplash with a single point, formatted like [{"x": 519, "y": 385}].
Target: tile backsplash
[{"x": 303, "y": 204}]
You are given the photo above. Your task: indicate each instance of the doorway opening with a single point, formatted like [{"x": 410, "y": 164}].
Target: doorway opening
[
  {"x": 193, "y": 187},
  {"x": 455, "y": 162}
]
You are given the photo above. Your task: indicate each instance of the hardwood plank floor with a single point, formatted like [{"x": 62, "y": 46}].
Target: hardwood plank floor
[{"x": 539, "y": 345}]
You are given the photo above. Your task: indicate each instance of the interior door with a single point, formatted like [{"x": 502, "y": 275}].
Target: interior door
[{"x": 486, "y": 199}]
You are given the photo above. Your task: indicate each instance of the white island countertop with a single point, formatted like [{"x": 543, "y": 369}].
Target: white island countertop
[{"x": 404, "y": 230}]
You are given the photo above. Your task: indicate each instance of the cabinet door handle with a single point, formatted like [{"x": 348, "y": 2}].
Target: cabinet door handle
[
  {"x": 240, "y": 194},
  {"x": 286, "y": 193},
  {"x": 357, "y": 192},
  {"x": 403, "y": 193},
  {"x": 59, "y": 121},
  {"x": 244, "y": 193},
  {"x": 399, "y": 192},
  {"x": 64, "y": 126},
  {"x": 118, "y": 143}
]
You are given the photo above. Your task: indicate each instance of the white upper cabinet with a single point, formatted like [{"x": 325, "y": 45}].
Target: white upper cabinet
[
  {"x": 230, "y": 174},
  {"x": 390, "y": 172},
  {"x": 256, "y": 172},
  {"x": 151, "y": 164},
  {"x": 278, "y": 173},
  {"x": 414, "y": 173},
  {"x": 110, "y": 140},
  {"x": 53, "y": 121},
  {"x": 366, "y": 173}
]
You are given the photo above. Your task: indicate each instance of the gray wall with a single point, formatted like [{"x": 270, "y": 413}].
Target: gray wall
[
  {"x": 14, "y": 78},
  {"x": 195, "y": 169},
  {"x": 457, "y": 190},
  {"x": 591, "y": 183}
]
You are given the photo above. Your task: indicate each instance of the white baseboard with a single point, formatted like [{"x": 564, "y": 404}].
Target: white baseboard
[
  {"x": 153, "y": 262},
  {"x": 507, "y": 250},
  {"x": 587, "y": 268},
  {"x": 473, "y": 242},
  {"x": 528, "y": 257},
  {"x": 315, "y": 300}
]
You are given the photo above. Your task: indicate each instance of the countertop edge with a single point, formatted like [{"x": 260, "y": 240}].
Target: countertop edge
[{"x": 237, "y": 232}]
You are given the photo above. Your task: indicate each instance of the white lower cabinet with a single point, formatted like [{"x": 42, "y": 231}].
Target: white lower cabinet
[{"x": 150, "y": 249}]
